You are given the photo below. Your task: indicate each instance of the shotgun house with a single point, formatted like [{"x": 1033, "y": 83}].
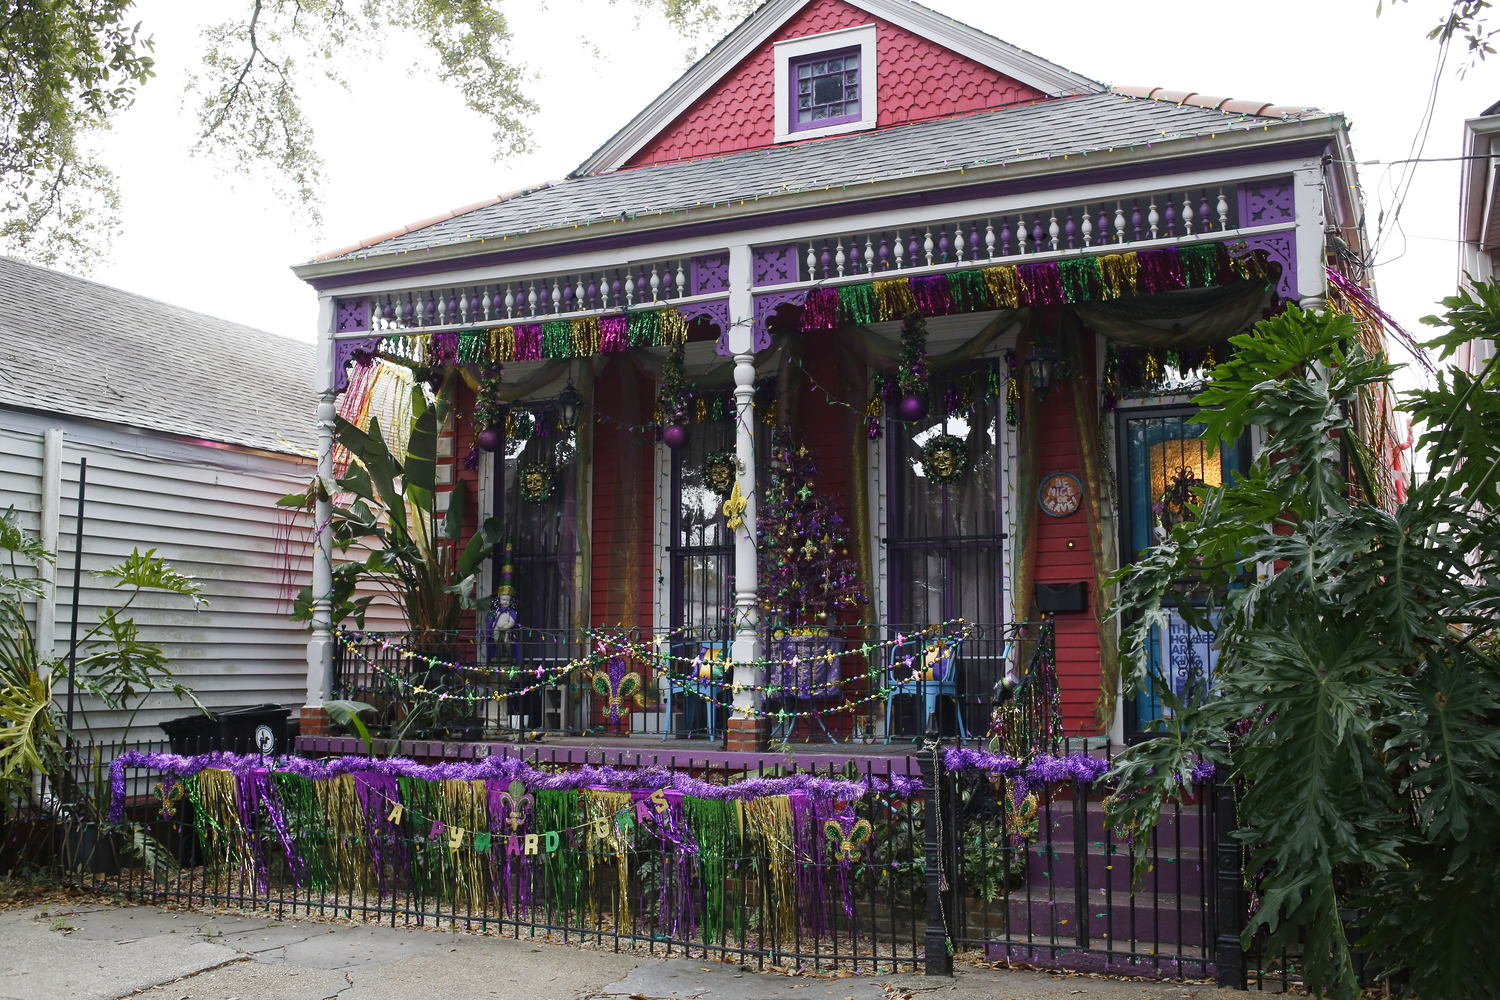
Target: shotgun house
[{"x": 830, "y": 389}]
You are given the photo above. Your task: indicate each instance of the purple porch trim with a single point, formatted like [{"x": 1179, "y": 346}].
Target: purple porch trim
[
  {"x": 766, "y": 304},
  {"x": 344, "y": 352},
  {"x": 931, "y": 199},
  {"x": 352, "y": 315},
  {"x": 1282, "y": 248},
  {"x": 717, "y": 311},
  {"x": 710, "y": 274},
  {"x": 774, "y": 265},
  {"x": 1265, "y": 202}
]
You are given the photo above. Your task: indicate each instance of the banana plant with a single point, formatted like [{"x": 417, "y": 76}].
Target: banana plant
[{"x": 414, "y": 554}]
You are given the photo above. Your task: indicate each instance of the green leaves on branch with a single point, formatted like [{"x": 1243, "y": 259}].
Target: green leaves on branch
[
  {"x": 1357, "y": 686},
  {"x": 413, "y": 554}
]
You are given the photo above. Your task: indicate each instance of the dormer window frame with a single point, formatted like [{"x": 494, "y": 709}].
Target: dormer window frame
[{"x": 794, "y": 52}]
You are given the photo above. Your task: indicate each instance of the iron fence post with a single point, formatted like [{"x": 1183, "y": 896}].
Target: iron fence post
[
  {"x": 1229, "y": 909},
  {"x": 937, "y": 827},
  {"x": 1081, "y": 861}
]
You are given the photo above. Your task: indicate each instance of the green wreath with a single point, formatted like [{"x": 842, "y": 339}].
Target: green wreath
[
  {"x": 720, "y": 470},
  {"x": 945, "y": 459},
  {"x": 537, "y": 482}
]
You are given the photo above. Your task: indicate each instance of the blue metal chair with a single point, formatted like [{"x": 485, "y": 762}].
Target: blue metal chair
[
  {"x": 924, "y": 666},
  {"x": 706, "y": 680}
]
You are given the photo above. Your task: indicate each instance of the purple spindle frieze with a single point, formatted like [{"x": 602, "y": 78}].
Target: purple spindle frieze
[
  {"x": 1135, "y": 219},
  {"x": 944, "y": 247},
  {"x": 1037, "y": 235},
  {"x": 885, "y": 253},
  {"x": 1069, "y": 230},
  {"x": 1205, "y": 215},
  {"x": 1004, "y": 238},
  {"x": 1170, "y": 217},
  {"x": 914, "y": 251},
  {"x": 825, "y": 260}
]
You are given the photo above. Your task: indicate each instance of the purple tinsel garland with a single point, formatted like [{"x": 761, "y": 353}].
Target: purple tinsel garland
[
  {"x": 495, "y": 768},
  {"x": 529, "y": 342},
  {"x": 932, "y": 294},
  {"x": 820, "y": 311},
  {"x": 1045, "y": 769},
  {"x": 1161, "y": 271},
  {"x": 614, "y": 333},
  {"x": 1041, "y": 284}
]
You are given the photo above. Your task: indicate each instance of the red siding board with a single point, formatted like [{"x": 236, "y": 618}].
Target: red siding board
[{"x": 917, "y": 80}]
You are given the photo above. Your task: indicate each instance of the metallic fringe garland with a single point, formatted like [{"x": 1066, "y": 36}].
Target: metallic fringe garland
[
  {"x": 345, "y": 850},
  {"x": 215, "y": 797},
  {"x": 769, "y": 820},
  {"x": 716, "y": 830},
  {"x": 600, "y": 807}
]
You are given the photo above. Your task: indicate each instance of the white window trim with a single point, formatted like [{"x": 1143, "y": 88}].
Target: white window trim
[{"x": 845, "y": 38}]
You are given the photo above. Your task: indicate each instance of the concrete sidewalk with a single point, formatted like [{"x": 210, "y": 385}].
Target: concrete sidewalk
[{"x": 101, "y": 952}]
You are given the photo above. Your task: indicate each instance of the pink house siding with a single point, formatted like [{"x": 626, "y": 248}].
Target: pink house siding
[{"x": 918, "y": 79}]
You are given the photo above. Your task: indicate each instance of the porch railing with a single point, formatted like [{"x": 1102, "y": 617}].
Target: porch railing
[{"x": 854, "y": 684}]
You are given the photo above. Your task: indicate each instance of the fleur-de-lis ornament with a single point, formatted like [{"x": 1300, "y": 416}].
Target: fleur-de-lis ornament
[
  {"x": 848, "y": 837},
  {"x": 735, "y": 507},
  {"x": 517, "y": 803},
  {"x": 618, "y": 684}
]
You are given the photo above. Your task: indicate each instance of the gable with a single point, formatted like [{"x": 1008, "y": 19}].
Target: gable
[{"x": 917, "y": 79}]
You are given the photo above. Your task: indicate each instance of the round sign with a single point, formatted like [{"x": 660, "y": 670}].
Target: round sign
[
  {"x": 1060, "y": 494},
  {"x": 265, "y": 739}
]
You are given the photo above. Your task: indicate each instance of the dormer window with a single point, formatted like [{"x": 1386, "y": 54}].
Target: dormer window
[
  {"x": 825, "y": 84},
  {"x": 827, "y": 90}
]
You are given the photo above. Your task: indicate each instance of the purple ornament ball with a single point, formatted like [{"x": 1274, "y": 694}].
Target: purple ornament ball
[
  {"x": 912, "y": 407},
  {"x": 674, "y": 436},
  {"x": 488, "y": 439}
]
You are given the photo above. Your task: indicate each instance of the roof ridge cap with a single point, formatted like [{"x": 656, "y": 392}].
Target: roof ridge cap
[{"x": 1230, "y": 105}]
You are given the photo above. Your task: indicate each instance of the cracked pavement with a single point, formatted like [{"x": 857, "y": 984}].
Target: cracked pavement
[{"x": 103, "y": 952}]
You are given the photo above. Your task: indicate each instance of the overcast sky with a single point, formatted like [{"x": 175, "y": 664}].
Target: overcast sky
[{"x": 400, "y": 147}]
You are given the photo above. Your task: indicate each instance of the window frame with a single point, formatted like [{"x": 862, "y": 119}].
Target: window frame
[
  {"x": 794, "y": 90},
  {"x": 796, "y": 51}
]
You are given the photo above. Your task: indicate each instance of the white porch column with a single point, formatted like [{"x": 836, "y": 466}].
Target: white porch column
[
  {"x": 746, "y": 730},
  {"x": 320, "y": 644},
  {"x": 1312, "y": 282}
]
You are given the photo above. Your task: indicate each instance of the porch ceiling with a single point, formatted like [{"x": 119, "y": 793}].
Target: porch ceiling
[{"x": 1040, "y": 131}]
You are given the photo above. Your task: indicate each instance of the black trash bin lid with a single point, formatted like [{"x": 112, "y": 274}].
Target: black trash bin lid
[
  {"x": 188, "y": 724},
  {"x": 266, "y": 709}
]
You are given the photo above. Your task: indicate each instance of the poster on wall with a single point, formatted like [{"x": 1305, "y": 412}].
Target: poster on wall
[{"x": 1190, "y": 658}]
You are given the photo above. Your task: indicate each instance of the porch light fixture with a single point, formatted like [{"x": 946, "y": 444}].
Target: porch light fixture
[
  {"x": 1042, "y": 366},
  {"x": 569, "y": 402}
]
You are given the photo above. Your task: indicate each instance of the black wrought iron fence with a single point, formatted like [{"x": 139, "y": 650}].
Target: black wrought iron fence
[{"x": 1019, "y": 868}]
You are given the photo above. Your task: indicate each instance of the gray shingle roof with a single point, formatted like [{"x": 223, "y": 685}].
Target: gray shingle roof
[
  {"x": 76, "y": 347},
  {"x": 1054, "y": 128}
]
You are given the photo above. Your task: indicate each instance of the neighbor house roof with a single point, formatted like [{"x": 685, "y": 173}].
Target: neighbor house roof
[
  {"x": 1048, "y": 129},
  {"x": 78, "y": 348}
]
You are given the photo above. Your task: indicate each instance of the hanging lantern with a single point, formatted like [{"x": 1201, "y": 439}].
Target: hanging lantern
[
  {"x": 569, "y": 403},
  {"x": 1041, "y": 367}
]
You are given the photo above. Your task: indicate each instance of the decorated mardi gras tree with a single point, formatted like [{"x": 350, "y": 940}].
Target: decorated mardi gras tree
[{"x": 807, "y": 572}]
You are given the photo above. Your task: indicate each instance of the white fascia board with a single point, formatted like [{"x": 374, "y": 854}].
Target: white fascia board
[
  {"x": 861, "y": 36},
  {"x": 1016, "y": 63},
  {"x": 1474, "y": 186},
  {"x": 877, "y": 221},
  {"x": 700, "y": 78}
]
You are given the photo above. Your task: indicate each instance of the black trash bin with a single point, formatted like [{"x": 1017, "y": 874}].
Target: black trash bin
[
  {"x": 191, "y": 734},
  {"x": 258, "y": 729}
]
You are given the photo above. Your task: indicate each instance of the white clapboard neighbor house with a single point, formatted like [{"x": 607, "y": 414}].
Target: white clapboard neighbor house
[{"x": 192, "y": 427}]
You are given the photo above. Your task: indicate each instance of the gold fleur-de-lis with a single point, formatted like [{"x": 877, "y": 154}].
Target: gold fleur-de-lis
[{"x": 735, "y": 507}]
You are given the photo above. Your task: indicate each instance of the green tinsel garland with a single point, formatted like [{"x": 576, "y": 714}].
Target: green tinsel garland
[
  {"x": 557, "y": 339},
  {"x": 674, "y": 391},
  {"x": 562, "y": 870},
  {"x": 912, "y": 372},
  {"x": 644, "y": 329},
  {"x": 715, "y": 827},
  {"x": 473, "y": 347},
  {"x": 1082, "y": 281},
  {"x": 859, "y": 305},
  {"x": 968, "y": 291},
  {"x": 1202, "y": 263},
  {"x": 307, "y": 825}
]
